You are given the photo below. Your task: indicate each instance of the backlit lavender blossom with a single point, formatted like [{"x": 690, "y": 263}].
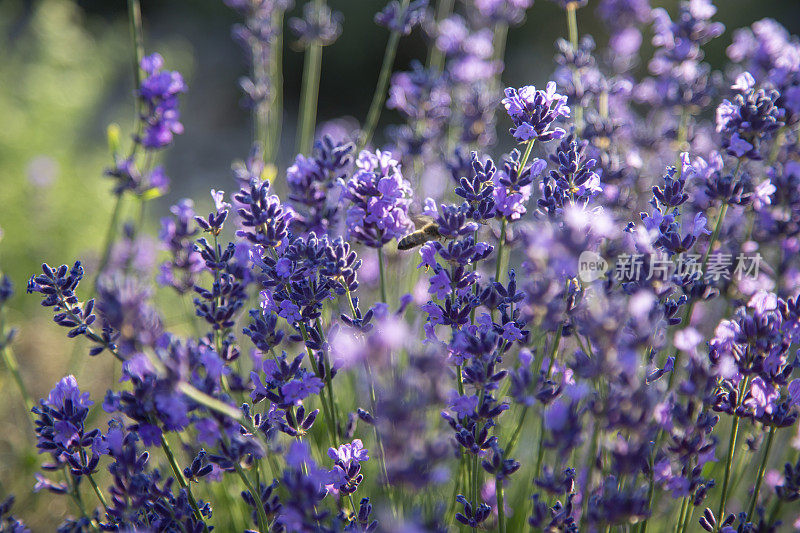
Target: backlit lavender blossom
[
  {"x": 177, "y": 237},
  {"x": 511, "y": 12},
  {"x": 379, "y": 198},
  {"x": 61, "y": 430},
  {"x": 399, "y": 19},
  {"x": 313, "y": 183},
  {"x": 159, "y": 93},
  {"x": 751, "y": 117},
  {"x": 772, "y": 56},
  {"x": 534, "y": 112},
  {"x": 319, "y": 25}
]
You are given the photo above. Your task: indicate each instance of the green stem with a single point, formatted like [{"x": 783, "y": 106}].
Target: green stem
[
  {"x": 501, "y": 513},
  {"x": 309, "y": 94},
  {"x": 381, "y": 268},
  {"x": 109, "y": 240},
  {"x": 276, "y": 113},
  {"x": 499, "y": 41},
  {"x": 327, "y": 406},
  {"x": 263, "y": 522},
  {"x": 456, "y": 484},
  {"x": 712, "y": 241},
  {"x": 504, "y": 224},
  {"x": 760, "y": 477},
  {"x": 589, "y": 465},
  {"x": 731, "y": 452},
  {"x": 10, "y": 360},
  {"x": 679, "y": 523},
  {"x": 689, "y": 514},
  {"x": 572, "y": 30},
  {"x": 98, "y": 492},
  {"x": 176, "y": 470},
  {"x": 137, "y": 37},
  {"x": 512, "y": 443},
  {"x": 379, "y": 97},
  {"x": 72, "y": 481},
  {"x": 498, "y": 270},
  {"x": 436, "y": 56},
  {"x": 475, "y": 481}
]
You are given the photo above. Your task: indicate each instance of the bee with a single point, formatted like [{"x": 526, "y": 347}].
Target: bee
[{"x": 427, "y": 230}]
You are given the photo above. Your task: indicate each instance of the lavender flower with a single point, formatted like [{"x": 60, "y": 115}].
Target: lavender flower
[
  {"x": 751, "y": 117},
  {"x": 534, "y": 112},
  {"x": 379, "y": 199},
  {"x": 402, "y": 20},
  {"x": 159, "y": 93}
]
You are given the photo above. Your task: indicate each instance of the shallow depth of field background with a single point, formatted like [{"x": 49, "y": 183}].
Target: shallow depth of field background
[{"x": 65, "y": 73}]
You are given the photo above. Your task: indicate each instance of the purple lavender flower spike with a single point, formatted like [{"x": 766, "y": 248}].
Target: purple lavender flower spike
[
  {"x": 379, "y": 199},
  {"x": 159, "y": 93},
  {"x": 534, "y": 112}
]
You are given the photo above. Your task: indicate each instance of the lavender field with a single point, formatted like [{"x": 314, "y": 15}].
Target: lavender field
[{"x": 489, "y": 284}]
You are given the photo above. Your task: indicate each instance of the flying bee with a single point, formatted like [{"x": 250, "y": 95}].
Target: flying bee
[{"x": 427, "y": 230}]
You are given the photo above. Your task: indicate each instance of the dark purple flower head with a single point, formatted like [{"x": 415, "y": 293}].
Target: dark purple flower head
[
  {"x": 60, "y": 428},
  {"x": 214, "y": 222},
  {"x": 379, "y": 198},
  {"x": 574, "y": 183},
  {"x": 534, "y": 112},
  {"x": 58, "y": 288},
  {"x": 751, "y": 117},
  {"x": 313, "y": 192},
  {"x": 159, "y": 92},
  {"x": 265, "y": 220},
  {"x": 514, "y": 185}
]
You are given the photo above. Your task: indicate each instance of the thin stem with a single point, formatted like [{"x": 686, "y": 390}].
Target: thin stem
[
  {"x": 760, "y": 477},
  {"x": 688, "y": 519},
  {"x": 382, "y": 268},
  {"x": 308, "y": 96},
  {"x": 501, "y": 513},
  {"x": 590, "y": 459},
  {"x": 379, "y": 97},
  {"x": 712, "y": 241},
  {"x": 475, "y": 481},
  {"x": 572, "y": 30},
  {"x": 10, "y": 360},
  {"x": 137, "y": 37},
  {"x": 498, "y": 270},
  {"x": 504, "y": 224},
  {"x": 72, "y": 481},
  {"x": 176, "y": 470},
  {"x": 512, "y": 443},
  {"x": 456, "y": 484},
  {"x": 97, "y": 491},
  {"x": 327, "y": 407},
  {"x": 111, "y": 233},
  {"x": 731, "y": 452},
  {"x": 276, "y": 113},
  {"x": 263, "y": 522},
  {"x": 679, "y": 523},
  {"x": 436, "y": 56}
]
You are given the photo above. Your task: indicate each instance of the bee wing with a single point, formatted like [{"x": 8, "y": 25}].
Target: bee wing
[{"x": 420, "y": 221}]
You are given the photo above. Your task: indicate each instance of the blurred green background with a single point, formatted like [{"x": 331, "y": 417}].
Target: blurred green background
[{"x": 65, "y": 74}]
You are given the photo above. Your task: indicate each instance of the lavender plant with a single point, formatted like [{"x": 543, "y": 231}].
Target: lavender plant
[{"x": 598, "y": 331}]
